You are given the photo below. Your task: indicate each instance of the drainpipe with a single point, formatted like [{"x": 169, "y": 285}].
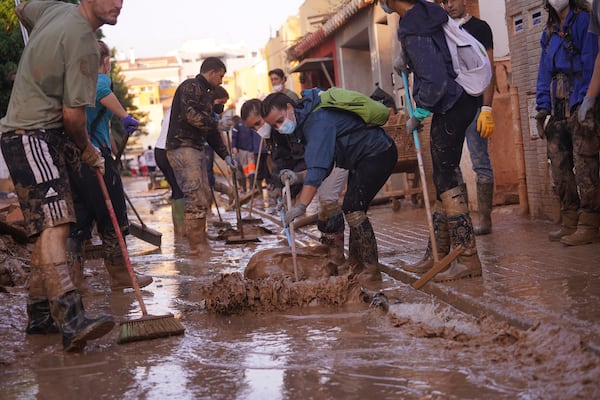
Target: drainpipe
[{"x": 518, "y": 138}]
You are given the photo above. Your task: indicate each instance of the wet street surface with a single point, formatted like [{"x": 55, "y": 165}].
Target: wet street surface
[{"x": 421, "y": 348}]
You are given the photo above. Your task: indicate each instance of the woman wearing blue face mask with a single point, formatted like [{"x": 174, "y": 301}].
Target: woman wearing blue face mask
[{"x": 334, "y": 137}]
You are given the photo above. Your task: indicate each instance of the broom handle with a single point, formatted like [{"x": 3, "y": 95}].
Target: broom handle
[
  {"x": 256, "y": 175},
  {"x": 288, "y": 195},
  {"x": 133, "y": 208},
  {"x": 117, "y": 228},
  {"x": 415, "y": 134}
]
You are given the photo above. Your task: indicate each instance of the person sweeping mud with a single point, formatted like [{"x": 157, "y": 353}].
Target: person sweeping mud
[
  {"x": 43, "y": 136},
  {"x": 192, "y": 123},
  {"x": 89, "y": 203},
  {"x": 335, "y": 137},
  {"x": 287, "y": 153},
  {"x": 435, "y": 91}
]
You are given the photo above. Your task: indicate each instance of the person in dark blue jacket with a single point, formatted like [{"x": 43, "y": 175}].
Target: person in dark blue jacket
[
  {"x": 242, "y": 147},
  {"x": 334, "y": 137},
  {"x": 565, "y": 70},
  {"x": 426, "y": 55}
]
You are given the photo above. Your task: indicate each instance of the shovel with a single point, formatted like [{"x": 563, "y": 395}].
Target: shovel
[{"x": 141, "y": 230}]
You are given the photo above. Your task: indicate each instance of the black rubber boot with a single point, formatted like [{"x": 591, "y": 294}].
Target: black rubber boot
[
  {"x": 40, "y": 321},
  {"x": 442, "y": 237},
  {"x": 76, "y": 328},
  {"x": 485, "y": 196},
  {"x": 361, "y": 228}
]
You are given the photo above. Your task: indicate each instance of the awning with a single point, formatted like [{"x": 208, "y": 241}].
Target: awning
[{"x": 316, "y": 64}]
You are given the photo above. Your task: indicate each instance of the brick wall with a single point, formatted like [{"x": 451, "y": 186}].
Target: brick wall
[{"x": 524, "y": 53}]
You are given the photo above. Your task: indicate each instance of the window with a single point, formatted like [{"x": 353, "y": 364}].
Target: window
[
  {"x": 536, "y": 17},
  {"x": 518, "y": 23}
]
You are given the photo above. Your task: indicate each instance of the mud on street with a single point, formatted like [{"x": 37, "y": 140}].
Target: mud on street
[{"x": 318, "y": 339}]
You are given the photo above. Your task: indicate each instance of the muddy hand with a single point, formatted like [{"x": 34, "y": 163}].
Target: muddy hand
[{"x": 293, "y": 213}]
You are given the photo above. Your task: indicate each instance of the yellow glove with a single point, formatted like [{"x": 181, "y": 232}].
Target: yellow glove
[{"x": 485, "y": 122}]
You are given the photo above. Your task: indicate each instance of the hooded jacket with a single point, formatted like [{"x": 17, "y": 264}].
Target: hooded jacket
[
  {"x": 334, "y": 137},
  {"x": 573, "y": 56},
  {"x": 192, "y": 120},
  {"x": 422, "y": 37}
]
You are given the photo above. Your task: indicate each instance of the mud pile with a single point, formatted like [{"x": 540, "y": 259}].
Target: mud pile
[
  {"x": 14, "y": 262},
  {"x": 234, "y": 294}
]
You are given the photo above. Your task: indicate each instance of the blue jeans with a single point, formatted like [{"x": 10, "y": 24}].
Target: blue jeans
[{"x": 478, "y": 148}]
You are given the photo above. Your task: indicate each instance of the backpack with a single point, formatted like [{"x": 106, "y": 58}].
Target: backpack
[
  {"x": 371, "y": 111},
  {"x": 469, "y": 59}
]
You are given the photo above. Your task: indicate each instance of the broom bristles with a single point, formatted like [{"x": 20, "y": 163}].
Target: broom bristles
[{"x": 150, "y": 327}]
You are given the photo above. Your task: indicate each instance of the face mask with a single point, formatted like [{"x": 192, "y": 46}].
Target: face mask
[
  {"x": 264, "y": 131},
  {"x": 385, "y": 8},
  {"x": 218, "y": 108},
  {"x": 277, "y": 88},
  {"x": 558, "y": 5},
  {"x": 288, "y": 127}
]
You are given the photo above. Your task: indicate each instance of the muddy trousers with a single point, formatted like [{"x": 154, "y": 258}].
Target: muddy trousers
[
  {"x": 559, "y": 141},
  {"x": 586, "y": 146}
]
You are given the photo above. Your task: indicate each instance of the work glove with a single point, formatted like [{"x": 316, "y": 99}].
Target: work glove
[
  {"x": 92, "y": 157},
  {"x": 485, "y": 122},
  {"x": 585, "y": 106},
  {"x": 231, "y": 163},
  {"x": 540, "y": 117},
  {"x": 400, "y": 65},
  {"x": 414, "y": 122},
  {"x": 130, "y": 124},
  {"x": 296, "y": 211},
  {"x": 291, "y": 176}
]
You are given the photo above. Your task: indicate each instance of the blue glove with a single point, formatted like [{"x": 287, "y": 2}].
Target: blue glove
[
  {"x": 231, "y": 163},
  {"x": 293, "y": 213},
  {"x": 289, "y": 175},
  {"x": 421, "y": 113},
  {"x": 130, "y": 124},
  {"x": 414, "y": 122}
]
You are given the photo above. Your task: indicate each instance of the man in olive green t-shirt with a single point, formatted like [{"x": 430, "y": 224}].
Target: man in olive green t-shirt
[{"x": 43, "y": 139}]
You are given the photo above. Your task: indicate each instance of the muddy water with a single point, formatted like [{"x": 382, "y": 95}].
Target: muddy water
[{"x": 417, "y": 350}]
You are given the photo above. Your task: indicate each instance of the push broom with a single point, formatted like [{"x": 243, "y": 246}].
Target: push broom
[{"x": 149, "y": 326}]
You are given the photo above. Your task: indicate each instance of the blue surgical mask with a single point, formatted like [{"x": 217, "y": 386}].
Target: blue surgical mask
[
  {"x": 288, "y": 127},
  {"x": 385, "y": 8}
]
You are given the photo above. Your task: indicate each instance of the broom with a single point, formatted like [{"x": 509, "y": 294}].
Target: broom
[{"x": 149, "y": 326}]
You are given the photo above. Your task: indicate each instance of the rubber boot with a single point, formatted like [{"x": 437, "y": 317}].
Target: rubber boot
[
  {"x": 568, "y": 225},
  {"x": 67, "y": 309},
  {"x": 196, "y": 235},
  {"x": 120, "y": 279},
  {"x": 335, "y": 246},
  {"x": 442, "y": 237},
  {"x": 40, "y": 320},
  {"x": 353, "y": 260},
  {"x": 177, "y": 209},
  {"x": 467, "y": 265},
  {"x": 485, "y": 196},
  {"x": 367, "y": 271},
  {"x": 587, "y": 230},
  {"x": 75, "y": 260}
]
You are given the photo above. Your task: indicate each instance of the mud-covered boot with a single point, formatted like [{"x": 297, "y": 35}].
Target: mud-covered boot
[
  {"x": 177, "y": 209},
  {"x": 485, "y": 196},
  {"x": 75, "y": 260},
  {"x": 587, "y": 230},
  {"x": 467, "y": 265},
  {"x": 40, "y": 320},
  {"x": 362, "y": 230},
  {"x": 67, "y": 309},
  {"x": 442, "y": 237},
  {"x": 196, "y": 236},
  {"x": 120, "y": 279},
  {"x": 568, "y": 225},
  {"x": 335, "y": 246}
]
